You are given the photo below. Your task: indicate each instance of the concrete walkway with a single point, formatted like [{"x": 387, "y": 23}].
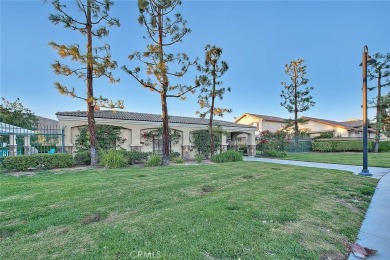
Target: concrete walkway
[{"x": 375, "y": 230}]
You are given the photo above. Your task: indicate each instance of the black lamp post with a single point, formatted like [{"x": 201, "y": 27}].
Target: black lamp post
[{"x": 365, "y": 61}]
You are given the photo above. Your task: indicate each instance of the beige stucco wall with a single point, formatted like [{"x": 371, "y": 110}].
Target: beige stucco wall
[
  {"x": 260, "y": 124},
  {"x": 316, "y": 126},
  {"x": 133, "y": 130},
  {"x": 271, "y": 126}
]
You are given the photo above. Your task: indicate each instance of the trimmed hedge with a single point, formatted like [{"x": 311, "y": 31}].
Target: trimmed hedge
[
  {"x": 340, "y": 146},
  {"x": 83, "y": 157},
  {"x": 384, "y": 146},
  {"x": 135, "y": 156},
  {"x": 38, "y": 161},
  {"x": 228, "y": 156}
]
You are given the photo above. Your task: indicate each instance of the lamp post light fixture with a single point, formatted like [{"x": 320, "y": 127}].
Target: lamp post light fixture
[{"x": 366, "y": 60}]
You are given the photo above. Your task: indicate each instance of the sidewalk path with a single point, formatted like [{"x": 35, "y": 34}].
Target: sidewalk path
[
  {"x": 375, "y": 230},
  {"x": 376, "y": 171}
]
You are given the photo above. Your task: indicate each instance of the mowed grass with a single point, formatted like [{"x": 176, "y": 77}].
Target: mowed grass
[
  {"x": 245, "y": 210},
  {"x": 374, "y": 159}
]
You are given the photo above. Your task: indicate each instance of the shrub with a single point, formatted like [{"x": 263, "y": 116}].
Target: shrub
[
  {"x": 384, "y": 146},
  {"x": 228, "y": 156},
  {"x": 324, "y": 135},
  {"x": 243, "y": 148},
  {"x": 178, "y": 160},
  {"x": 201, "y": 140},
  {"x": 275, "y": 153},
  {"x": 38, "y": 161},
  {"x": 174, "y": 155},
  {"x": 83, "y": 157},
  {"x": 113, "y": 159},
  {"x": 340, "y": 146},
  {"x": 153, "y": 160},
  {"x": 199, "y": 158},
  {"x": 135, "y": 156}
]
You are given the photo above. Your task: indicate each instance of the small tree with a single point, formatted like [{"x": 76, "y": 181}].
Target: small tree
[
  {"x": 14, "y": 113},
  {"x": 163, "y": 29},
  {"x": 95, "y": 61},
  {"x": 201, "y": 140},
  {"x": 296, "y": 99},
  {"x": 212, "y": 70},
  {"x": 385, "y": 115},
  {"x": 108, "y": 138},
  {"x": 379, "y": 71}
]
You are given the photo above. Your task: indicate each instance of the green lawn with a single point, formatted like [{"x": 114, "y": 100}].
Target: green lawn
[
  {"x": 245, "y": 210},
  {"x": 374, "y": 159}
]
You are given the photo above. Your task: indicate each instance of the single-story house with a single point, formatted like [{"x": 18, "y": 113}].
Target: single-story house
[
  {"x": 135, "y": 125},
  {"x": 261, "y": 122},
  {"x": 313, "y": 126}
]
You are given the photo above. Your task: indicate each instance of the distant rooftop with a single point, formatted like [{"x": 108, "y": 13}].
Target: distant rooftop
[{"x": 265, "y": 117}]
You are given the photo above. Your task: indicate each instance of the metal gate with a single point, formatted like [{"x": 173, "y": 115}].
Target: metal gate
[{"x": 15, "y": 140}]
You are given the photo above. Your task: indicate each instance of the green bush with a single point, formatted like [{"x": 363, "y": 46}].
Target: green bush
[
  {"x": 153, "y": 160},
  {"x": 135, "y": 156},
  {"x": 228, "y": 156},
  {"x": 340, "y": 146},
  {"x": 275, "y": 153},
  {"x": 174, "y": 155},
  {"x": 243, "y": 148},
  {"x": 83, "y": 157},
  {"x": 199, "y": 158},
  {"x": 384, "y": 146},
  {"x": 38, "y": 161},
  {"x": 113, "y": 159},
  {"x": 178, "y": 160}
]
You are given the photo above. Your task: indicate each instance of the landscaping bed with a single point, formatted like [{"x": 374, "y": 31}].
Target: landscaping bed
[{"x": 246, "y": 210}]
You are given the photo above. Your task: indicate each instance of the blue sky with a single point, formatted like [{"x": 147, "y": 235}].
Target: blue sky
[{"x": 258, "y": 38}]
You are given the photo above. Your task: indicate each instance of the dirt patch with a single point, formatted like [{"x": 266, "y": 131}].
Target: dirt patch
[
  {"x": 5, "y": 234},
  {"x": 208, "y": 188},
  {"x": 93, "y": 218},
  {"x": 247, "y": 177},
  {"x": 331, "y": 256}
]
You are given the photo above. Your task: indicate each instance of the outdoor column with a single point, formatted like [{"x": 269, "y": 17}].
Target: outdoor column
[
  {"x": 234, "y": 145},
  {"x": 136, "y": 139},
  {"x": 13, "y": 149},
  {"x": 223, "y": 143},
  {"x": 27, "y": 146},
  {"x": 68, "y": 145},
  {"x": 186, "y": 145},
  {"x": 251, "y": 144}
]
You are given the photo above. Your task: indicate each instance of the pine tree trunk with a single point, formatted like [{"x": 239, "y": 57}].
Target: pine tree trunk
[
  {"x": 165, "y": 84},
  {"x": 165, "y": 152},
  {"x": 90, "y": 99},
  {"x": 212, "y": 144},
  {"x": 296, "y": 129},
  {"x": 378, "y": 115}
]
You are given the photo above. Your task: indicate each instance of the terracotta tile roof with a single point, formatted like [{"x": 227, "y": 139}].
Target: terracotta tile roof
[{"x": 132, "y": 116}]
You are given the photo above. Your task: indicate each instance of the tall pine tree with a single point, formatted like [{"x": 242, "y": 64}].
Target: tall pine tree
[
  {"x": 212, "y": 70},
  {"x": 379, "y": 71},
  {"x": 296, "y": 98},
  {"x": 164, "y": 29},
  {"x": 94, "y": 62}
]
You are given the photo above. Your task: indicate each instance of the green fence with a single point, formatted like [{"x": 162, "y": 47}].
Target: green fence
[{"x": 15, "y": 140}]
